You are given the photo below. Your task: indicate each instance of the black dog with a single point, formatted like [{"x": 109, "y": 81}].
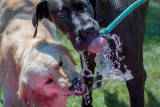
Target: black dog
[{"x": 77, "y": 19}]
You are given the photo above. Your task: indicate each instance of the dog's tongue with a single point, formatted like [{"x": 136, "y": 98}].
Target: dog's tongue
[{"x": 97, "y": 45}]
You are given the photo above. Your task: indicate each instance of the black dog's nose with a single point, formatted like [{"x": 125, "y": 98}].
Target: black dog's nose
[{"x": 88, "y": 30}]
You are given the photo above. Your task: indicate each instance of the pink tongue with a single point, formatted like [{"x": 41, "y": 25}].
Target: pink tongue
[{"x": 97, "y": 45}]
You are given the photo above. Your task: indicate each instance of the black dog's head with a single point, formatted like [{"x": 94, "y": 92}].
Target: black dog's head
[{"x": 74, "y": 18}]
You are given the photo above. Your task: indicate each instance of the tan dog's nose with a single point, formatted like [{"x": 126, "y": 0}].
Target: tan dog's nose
[
  {"x": 78, "y": 86},
  {"x": 75, "y": 83}
]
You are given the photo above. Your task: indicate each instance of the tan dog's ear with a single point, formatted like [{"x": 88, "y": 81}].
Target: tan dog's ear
[
  {"x": 22, "y": 90},
  {"x": 24, "y": 94},
  {"x": 40, "y": 13}
]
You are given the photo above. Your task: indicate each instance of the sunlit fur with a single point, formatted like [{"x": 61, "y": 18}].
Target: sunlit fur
[{"x": 27, "y": 63}]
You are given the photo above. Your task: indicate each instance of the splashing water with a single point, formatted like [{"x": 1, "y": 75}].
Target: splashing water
[
  {"x": 85, "y": 67},
  {"x": 105, "y": 66}
]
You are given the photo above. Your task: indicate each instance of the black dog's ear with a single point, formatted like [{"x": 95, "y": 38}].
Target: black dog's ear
[
  {"x": 94, "y": 5},
  {"x": 40, "y": 13}
]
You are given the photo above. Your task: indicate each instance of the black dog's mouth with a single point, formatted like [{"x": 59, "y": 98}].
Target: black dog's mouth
[{"x": 91, "y": 44}]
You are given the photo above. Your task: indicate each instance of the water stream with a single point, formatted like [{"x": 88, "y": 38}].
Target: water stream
[{"x": 106, "y": 67}]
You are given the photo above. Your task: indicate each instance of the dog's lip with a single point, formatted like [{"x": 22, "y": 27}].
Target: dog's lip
[{"x": 76, "y": 92}]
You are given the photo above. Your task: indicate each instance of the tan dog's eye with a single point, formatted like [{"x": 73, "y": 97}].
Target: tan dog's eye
[{"x": 49, "y": 81}]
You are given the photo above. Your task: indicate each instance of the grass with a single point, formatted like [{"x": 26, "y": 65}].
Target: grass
[{"x": 116, "y": 95}]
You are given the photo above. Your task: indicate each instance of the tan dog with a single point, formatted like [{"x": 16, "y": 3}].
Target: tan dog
[{"x": 35, "y": 72}]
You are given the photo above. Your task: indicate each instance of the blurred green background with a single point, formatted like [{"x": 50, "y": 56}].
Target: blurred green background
[{"x": 116, "y": 95}]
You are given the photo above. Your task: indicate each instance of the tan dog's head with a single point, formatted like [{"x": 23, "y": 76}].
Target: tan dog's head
[{"x": 48, "y": 73}]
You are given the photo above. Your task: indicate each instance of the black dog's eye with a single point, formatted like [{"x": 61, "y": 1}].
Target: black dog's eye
[
  {"x": 62, "y": 15},
  {"x": 49, "y": 81},
  {"x": 60, "y": 64}
]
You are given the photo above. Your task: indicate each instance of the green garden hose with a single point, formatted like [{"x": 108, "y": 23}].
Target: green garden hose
[{"x": 109, "y": 28}]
